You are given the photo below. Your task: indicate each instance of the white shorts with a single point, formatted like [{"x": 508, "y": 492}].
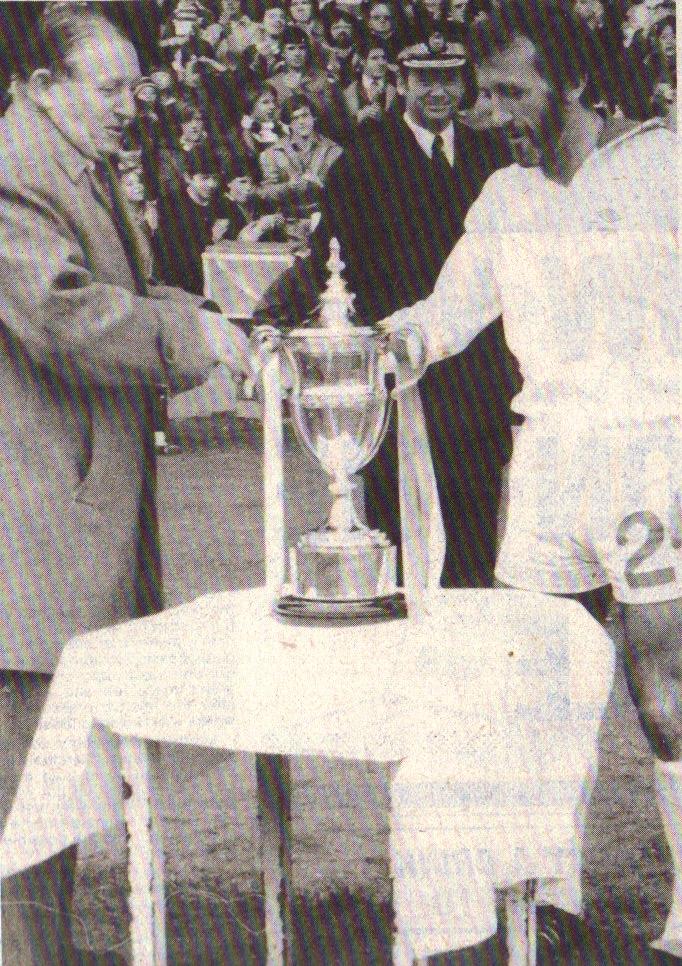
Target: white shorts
[{"x": 595, "y": 506}]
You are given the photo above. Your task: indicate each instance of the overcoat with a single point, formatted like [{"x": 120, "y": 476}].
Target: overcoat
[{"x": 80, "y": 353}]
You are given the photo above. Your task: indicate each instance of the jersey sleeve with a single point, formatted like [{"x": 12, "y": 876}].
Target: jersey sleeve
[{"x": 466, "y": 297}]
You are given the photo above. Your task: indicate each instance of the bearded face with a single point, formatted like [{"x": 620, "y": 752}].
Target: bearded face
[{"x": 522, "y": 104}]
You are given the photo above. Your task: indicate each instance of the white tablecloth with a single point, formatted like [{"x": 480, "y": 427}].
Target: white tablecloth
[{"x": 491, "y": 705}]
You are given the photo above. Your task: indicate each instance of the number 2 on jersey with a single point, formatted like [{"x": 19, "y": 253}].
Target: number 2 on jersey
[{"x": 655, "y": 530}]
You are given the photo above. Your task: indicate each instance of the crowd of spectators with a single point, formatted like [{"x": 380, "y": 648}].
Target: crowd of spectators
[{"x": 244, "y": 110}]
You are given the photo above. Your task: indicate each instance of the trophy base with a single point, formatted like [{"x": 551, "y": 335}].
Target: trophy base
[
  {"x": 343, "y": 566},
  {"x": 319, "y": 613}
]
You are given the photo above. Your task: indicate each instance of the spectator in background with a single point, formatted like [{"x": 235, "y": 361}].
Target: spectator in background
[
  {"x": 428, "y": 17},
  {"x": 185, "y": 17},
  {"x": 663, "y": 59},
  {"x": 607, "y": 87},
  {"x": 296, "y": 75},
  {"x": 187, "y": 212},
  {"x": 458, "y": 14},
  {"x": 191, "y": 137},
  {"x": 268, "y": 50},
  {"x": 294, "y": 170},
  {"x": 259, "y": 128},
  {"x": 306, "y": 15},
  {"x": 370, "y": 96},
  {"x": 241, "y": 212},
  {"x": 168, "y": 93},
  {"x": 383, "y": 26},
  {"x": 232, "y": 34},
  {"x": 340, "y": 30},
  {"x": 187, "y": 52},
  {"x": 135, "y": 189}
]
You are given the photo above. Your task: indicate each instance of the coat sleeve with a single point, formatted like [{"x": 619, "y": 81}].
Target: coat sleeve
[{"x": 63, "y": 316}]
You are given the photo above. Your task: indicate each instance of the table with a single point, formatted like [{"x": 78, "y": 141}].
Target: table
[{"x": 489, "y": 707}]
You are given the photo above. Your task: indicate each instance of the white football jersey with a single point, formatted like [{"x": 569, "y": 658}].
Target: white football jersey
[{"x": 585, "y": 277}]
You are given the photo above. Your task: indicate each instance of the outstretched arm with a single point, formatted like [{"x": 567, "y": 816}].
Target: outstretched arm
[{"x": 464, "y": 301}]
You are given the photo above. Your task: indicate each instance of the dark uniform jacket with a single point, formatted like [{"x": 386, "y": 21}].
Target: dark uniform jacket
[{"x": 397, "y": 222}]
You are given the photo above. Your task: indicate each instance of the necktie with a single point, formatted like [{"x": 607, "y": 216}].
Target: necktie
[
  {"x": 441, "y": 165},
  {"x": 108, "y": 185}
]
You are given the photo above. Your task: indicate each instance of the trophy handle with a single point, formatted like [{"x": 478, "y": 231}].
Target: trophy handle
[
  {"x": 294, "y": 396},
  {"x": 408, "y": 369},
  {"x": 290, "y": 358}
]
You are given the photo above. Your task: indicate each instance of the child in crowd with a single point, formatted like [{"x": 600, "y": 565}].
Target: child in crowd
[
  {"x": 187, "y": 212},
  {"x": 260, "y": 125},
  {"x": 294, "y": 170}
]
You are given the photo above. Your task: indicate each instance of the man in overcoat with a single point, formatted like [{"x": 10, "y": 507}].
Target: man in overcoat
[
  {"x": 84, "y": 338},
  {"x": 396, "y": 201}
]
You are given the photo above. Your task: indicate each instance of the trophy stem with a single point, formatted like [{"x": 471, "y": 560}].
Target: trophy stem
[{"x": 343, "y": 516}]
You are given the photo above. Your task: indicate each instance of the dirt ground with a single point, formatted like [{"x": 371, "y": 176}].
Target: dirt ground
[{"x": 211, "y": 508}]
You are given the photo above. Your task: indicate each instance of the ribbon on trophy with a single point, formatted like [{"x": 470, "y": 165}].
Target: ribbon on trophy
[{"x": 423, "y": 533}]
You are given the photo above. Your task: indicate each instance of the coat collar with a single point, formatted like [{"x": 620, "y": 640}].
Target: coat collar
[{"x": 39, "y": 127}]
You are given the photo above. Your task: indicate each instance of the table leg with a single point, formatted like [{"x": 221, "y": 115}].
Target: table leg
[
  {"x": 522, "y": 924},
  {"x": 273, "y": 773},
  {"x": 145, "y": 856}
]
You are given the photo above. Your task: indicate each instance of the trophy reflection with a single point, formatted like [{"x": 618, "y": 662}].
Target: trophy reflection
[{"x": 340, "y": 409}]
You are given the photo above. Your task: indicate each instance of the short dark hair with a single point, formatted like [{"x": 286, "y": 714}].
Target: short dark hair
[
  {"x": 56, "y": 33},
  {"x": 297, "y": 36},
  {"x": 331, "y": 14},
  {"x": 188, "y": 109},
  {"x": 313, "y": 3},
  {"x": 368, "y": 42},
  {"x": 202, "y": 160},
  {"x": 295, "y": 103},
  {"x": 557, "y": 36}
]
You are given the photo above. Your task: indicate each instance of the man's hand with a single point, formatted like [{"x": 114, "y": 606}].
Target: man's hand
[
  {"x": 404, "y": 345},
  {"x": 265, "y": 342},
  {"x": 226, "y": 342},
  {"x": 371, "y": 112},
  {"x": 220, "y": 228},
  {"x": 255, "y": 230}
]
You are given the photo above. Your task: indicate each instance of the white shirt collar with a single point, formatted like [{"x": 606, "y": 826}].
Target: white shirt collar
[{"x": 425, "y": 138}]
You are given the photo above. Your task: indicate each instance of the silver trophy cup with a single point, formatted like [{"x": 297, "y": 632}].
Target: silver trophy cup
[{"x": 340, "y": 409}]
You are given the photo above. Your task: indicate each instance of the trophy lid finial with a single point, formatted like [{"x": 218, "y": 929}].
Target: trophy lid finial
[{"x": 337, "y": 301}]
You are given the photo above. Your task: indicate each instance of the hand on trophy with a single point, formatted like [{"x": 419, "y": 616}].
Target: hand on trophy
[
  {"x": 225, "y": 341},
  {"x": 406, "y": 351},
  {"x": 265, "y": 342}
]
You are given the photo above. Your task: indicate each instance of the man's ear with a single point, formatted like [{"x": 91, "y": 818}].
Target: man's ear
[{"x": 39, "y": 85}]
